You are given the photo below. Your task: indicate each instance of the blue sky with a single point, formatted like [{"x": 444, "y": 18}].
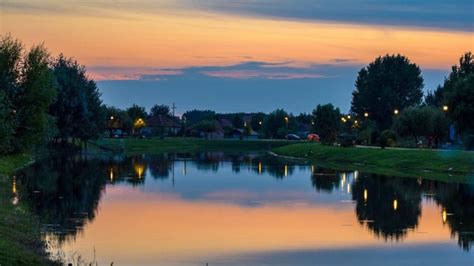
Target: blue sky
[{"x": 241, "y": 55}]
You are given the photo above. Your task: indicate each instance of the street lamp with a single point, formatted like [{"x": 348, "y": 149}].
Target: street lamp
[
  {"x": 286, "y": 121},
  {"x": 366, "y": 114},
  {"x": 111, "y": 117},
  {"x": 395, "y": 112},
  {"x": 445, "y": 108}
]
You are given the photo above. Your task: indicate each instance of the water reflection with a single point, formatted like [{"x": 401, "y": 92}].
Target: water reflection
[{"x": 65, "y": 192}]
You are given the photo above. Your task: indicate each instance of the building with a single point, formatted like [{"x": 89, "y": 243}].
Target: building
[{"x": 161, "y": 125}]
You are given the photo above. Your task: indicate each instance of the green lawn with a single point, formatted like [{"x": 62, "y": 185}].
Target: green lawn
[
  {"x": 156, "y": 145},
  {"x": 20, "y": 242},
  {"x": 440, "y": 165}
]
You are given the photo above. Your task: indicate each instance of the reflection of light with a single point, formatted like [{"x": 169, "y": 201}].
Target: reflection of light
[
  {"x": 259, "y": 167},
  {"x": 395, "y": 204},
  {"x": 366, "y": 195},
  {"x": 445, "y": 216},
  {"x": 286, "y": 170},
  {"x": 348, "y": 188},
  {"x": 343, "y": 180},
  {"x": 312, "y": 169},
  {"x": 139, "y": 169},
  {"x": 111, "y": 174},
  {"x": 14, "y": 185},
  {"x": 184, "y": 168},
  {"x": 356, "y": 174}
]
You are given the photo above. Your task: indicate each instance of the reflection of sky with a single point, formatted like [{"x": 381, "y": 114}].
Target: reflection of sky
[
  {"x": 245, "y": 218},
  {"x": 243, "y": 188}
]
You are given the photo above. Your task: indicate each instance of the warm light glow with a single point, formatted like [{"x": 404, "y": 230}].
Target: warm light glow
[
  {"x": 111, "y": 175},
  {"x": 260, "y": 123},
  {"x": 366, "y": 114},
  {"x": 112, "y": 118},
  {"x": 395, "y": 112},
  {"x": 366, "y": 195},
  {"x": 286, "y": 119},
  {"x": 348, "y": 117},
  {"x": 395, "y": 204},
  {"x": 139, "y": 169},
  {"x": 139, "y": 123},
  {"x": 348, "y": 188},
  {"x": 14, "y": 185},
  {"x": 445, "y": 108},
  {"x": 286, "y": 170},
  {"x": 343, "y": 120},
  {"x": 445, "y": 216},
  {"x": 260, "y": 167}
]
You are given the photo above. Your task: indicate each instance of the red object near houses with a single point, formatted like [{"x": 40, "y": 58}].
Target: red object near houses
[{"x": 313, "y": 137}]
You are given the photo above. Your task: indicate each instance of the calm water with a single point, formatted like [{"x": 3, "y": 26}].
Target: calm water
[{"x": 181, "y": 209}]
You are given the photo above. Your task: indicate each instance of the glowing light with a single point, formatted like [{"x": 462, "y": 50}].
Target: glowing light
[
  {"x": 445, "y": 216},
  {"x": 348, "y": 188},
  {"x": 348, "y": 117},
  {"x": 366, "y": 114},
  {"x": 445, "y": 108},
  {"x": 260, "y": 122},
  {"x": 14, "y": 185},
  {"x": 112, "y": 117},
  {"x": 260, "y": 167},
  {"x": 139, "y": 123},
  {"x": 395, "y": 204},
  {"x": 366, "y": 195},
  {"x": 395, "y": 112},
  {"x": 312, "y": 168},
  {"x": 286, "y": 170},
  {"x": 139, "y": 170},
  {"x": 111, "y": 175}
]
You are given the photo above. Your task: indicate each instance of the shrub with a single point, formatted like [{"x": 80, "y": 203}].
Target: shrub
[
  {"x": 469, "y": 142},
  {"x": 388, "y": 138}
]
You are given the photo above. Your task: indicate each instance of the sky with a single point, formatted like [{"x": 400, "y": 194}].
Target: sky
[{"x": 241, "y": 55}]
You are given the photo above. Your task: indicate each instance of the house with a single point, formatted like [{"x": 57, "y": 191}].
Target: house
[
  {"x": 161, "y": 125},
  {"x": 240, "y": 134}
]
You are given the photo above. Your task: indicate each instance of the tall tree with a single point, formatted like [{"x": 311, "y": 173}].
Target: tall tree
[
  {"x": 389, "y": 83},
  {"x": 10, "y": 70},
  {"x": 37, "y": 92},
  {"x": 275, "y": 124},
  {"x": 459, "y": 94},
  {"x": 327, "y": 122},
  {"x": 160, "y": 110}
]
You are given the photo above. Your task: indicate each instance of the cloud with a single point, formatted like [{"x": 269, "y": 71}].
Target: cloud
[
  {"x": 455, "y": 15},
  {"x": 452, "y": 15}
]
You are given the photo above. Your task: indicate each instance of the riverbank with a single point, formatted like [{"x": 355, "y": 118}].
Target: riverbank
[
  {"x": 20, "y": 239},
  {"x": 183, "y": 145},
  {"x": 451, "y": 166}
]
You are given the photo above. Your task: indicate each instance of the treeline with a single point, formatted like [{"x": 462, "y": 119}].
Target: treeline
[{"x": 44, "y": 99}]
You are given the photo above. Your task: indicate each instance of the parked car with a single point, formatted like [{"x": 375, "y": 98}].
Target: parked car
[
  {"x": 314, "y": 137},
  {"x": 292, "y": 137}
]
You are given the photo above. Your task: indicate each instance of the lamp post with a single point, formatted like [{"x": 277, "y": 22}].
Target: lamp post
[{"x": 286, "y": 121}]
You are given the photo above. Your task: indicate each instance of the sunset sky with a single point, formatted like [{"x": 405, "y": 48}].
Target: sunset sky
[{"x": 241, "y": 55}]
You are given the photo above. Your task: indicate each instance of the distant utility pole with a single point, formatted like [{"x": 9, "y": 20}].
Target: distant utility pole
[{"x": 173, "y": 108}]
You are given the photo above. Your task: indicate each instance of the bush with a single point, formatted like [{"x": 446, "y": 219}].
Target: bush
[
  {"x": 388, "y": 138},
  {"x": 346, "y": 140},
  {"x": 469, "y": 142}
]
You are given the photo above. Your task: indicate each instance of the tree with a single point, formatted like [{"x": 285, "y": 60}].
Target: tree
[
  {"x": 37, "y": 92},
  {"x": 327, "y": 122},
  {"x": 78, "y": 110},
  {"x": 195, "y": 116},
  {"x": 10, "y": 69},
  {"x": 421, "y": 121},
  {"x": 274, "y": 125},
  {"x": 160, "y": 110},
  {"x": 459, "y": 94},
  {"x": 118, "y": 119},
  {"x": 435, "y": 98},
  {"x": 257, "y": 121},
  {"x": 388, "y": 83},
  {"x": 207, "y": 126}
]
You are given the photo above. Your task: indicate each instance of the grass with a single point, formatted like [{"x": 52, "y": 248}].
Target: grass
[
  {"x": 438, "y": 165},
  {"x": 20, "y": 240},
  {"x": 155, "y": 145}
]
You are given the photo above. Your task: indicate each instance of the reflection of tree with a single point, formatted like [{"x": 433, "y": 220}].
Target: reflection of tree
[
  {"x": 325, "y": 180},
  {"x": 64, "y": 193},
  {"x": 208, "y": 161},
  {"x": 458, "y": 206},
  {"x": 388, "y": 206},
  {"x": 160, "y": 165}
]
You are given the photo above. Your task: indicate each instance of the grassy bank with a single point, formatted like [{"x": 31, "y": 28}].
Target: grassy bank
[
  {"x": 136, "y": 146},
  {"x": 439, "y": 165},
  {"x": 20, "y": 240}
]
